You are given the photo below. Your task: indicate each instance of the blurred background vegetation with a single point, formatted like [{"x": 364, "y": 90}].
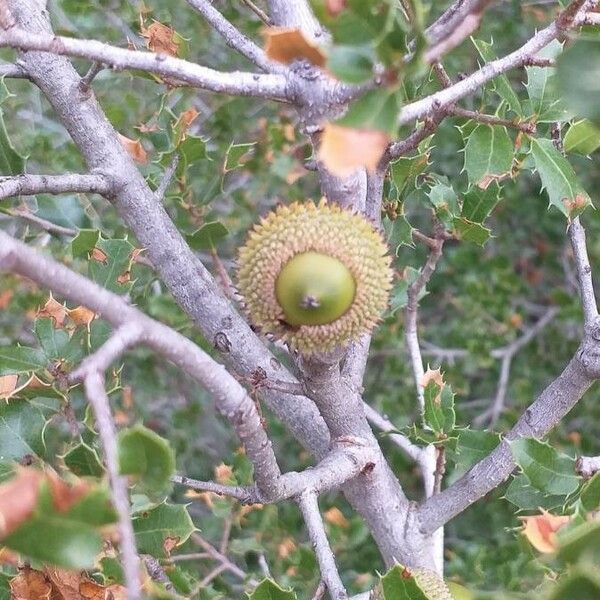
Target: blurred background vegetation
[{"x": 480, "y": 298}]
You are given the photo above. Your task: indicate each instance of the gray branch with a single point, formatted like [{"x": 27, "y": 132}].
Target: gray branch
[
  {"x": 236, "y": 83},
  {"x": 468, "y": 85},
  {"x": 584, "y": 271},
  {"x": 309, "y": 506},
  {"x": 28, "y": 185},
  {"x": 588, "y": 466},
  {"x": 96, "y": 395}
]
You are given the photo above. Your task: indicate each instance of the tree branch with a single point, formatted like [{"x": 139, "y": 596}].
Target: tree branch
[
  {"x": 468, "y": 85},
  {"x": 230, "y": 397},
  {"x": 584, "y": 271},
  {"x": 96, "y": 395},
  {"x": 454, "y": 26},
  {"x": 309, "y": 506},
  {"x": 296, "y": 13},
  {"x": 346, "y": 460},
  {"x": 233, "y": 37},
  {"x": 235, "y": 83},
  {"x": 588, "y": 466},
  {"x": 13, "y": 71},
  {"x": 28, "y": 185}
]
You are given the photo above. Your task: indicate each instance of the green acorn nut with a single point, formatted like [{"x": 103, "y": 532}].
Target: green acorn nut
[
  {"x": 314, "y": 289},
  {"x": 315, "y": 276}
]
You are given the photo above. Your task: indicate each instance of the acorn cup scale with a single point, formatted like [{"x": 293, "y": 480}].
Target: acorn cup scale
[{"x": 314, "y": 276}]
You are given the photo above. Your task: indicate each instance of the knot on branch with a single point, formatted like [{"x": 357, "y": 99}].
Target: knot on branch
[{"x": 589, "y": 352}]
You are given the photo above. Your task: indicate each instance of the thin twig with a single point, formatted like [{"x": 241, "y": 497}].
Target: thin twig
[
  {"x": 44, "y": 224},
  {"x": 167, "y": 178},
  {"x": 29, "y": 185},
  {"x": 86, "y": 80},
  {"x": 584, "y": 271},
  {"x": 96, "y": 395},
  {"x": 233, "y": 37},
  {"x": 259, "y": 12},
  {"x": 309, "y": 507},
  {"x": 221, "y": 558}
]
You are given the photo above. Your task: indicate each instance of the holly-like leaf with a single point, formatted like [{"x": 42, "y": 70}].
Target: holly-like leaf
[
  {"x": 471, "y": 232},
  {"x": 489, "y": 154},
  {"x": 84, "y": 242},
  {"x": 401, "y": 583},
  {"x": 548, "y": 470},
  {"x": 578, "y": 72},
  {"x": 590, "y": 494},
  {"x": 405, "y": 171},
  {"x": 546, "y": 104},
  {"x": 83, "y": 461},
  {"x": 160, "y": 530},
  {"x": 11, "y": 162},
  {"x": 524, "y": 496},
  {"x": 439, "y": 403},
  {"x": 111, "y": 264},
  {"x": 474, "y": 445},
  {"x": 558, "y": 178},
  {"x": 148, "y": 457},
  {"x": 583, "y": 137},
  {"x": 21, "y": 359},
  {"x": 479, "y": 203},
  {"x": 352, "y": 64},
  {"x": 21, "y": 430},
  {"x": 501, "y": 83},
  {"x": 267, "y": 589},
  {"x": 236, "y": 155},
  {"x": 377, "y": 110},
  {"x": 207, "y": 236}
]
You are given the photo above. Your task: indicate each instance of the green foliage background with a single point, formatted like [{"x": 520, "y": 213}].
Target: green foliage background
[{"x": 481, "y": 298}]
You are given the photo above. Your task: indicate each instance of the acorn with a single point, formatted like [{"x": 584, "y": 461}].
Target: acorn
[{"x": 314, "y": 276}]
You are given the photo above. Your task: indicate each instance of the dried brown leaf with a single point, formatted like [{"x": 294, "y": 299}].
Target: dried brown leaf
[
  {"x": 287, "y": 44},
  {"x": 82, "y": 315},
  {"x": 160, "y": 38},
  {"x": 134, "y": 149},
  {"x": 30, "y": 584},
  {"x": 54, "y": 310},
  {"x": 343, "y": 150},
  {"x": 540, "y": 530}
]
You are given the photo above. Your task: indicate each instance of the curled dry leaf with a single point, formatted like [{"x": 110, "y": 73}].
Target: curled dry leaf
[
  {"x": 287, "y": 44},
  {"x": 134, "y": 149},
  {"x": 433, "y": 375},
  {"x": 540, "y": 530},
  {"x": 160, "y": 38},
  {"x": 8, "y": 385},
  {"x": 54, "y": 310},
  {"x": 30, "y": 584},
  {"x": 343, "y": 150},
  {"x": 19, "y": 496},
  {"x": 81, "y": 315}
]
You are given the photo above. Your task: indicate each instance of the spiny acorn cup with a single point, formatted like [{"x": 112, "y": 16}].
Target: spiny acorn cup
[{"x": 315, "y": 276}]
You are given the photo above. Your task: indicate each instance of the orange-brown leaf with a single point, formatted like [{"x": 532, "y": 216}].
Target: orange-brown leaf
[
  {"x": 541, "y": 530},
  {"x": 30, "y": 584},
  {"x": 63, "y": 494},
  {"x": 334, "y": 516},
  {"x": 82, "y": 315},
  {"x": 65, "y": 582},
  {"x": 343, "y": 149},
  {"x": 18, "y": 499},
  {"x": 287, "y": 44},
  {"x": 99, "y": 255},
  {"x": 8, "y": 384},
  {"x": 160, "y": 38},
  {"x": 54, "y": 310},
  {"x": 134, "y": 149}
]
